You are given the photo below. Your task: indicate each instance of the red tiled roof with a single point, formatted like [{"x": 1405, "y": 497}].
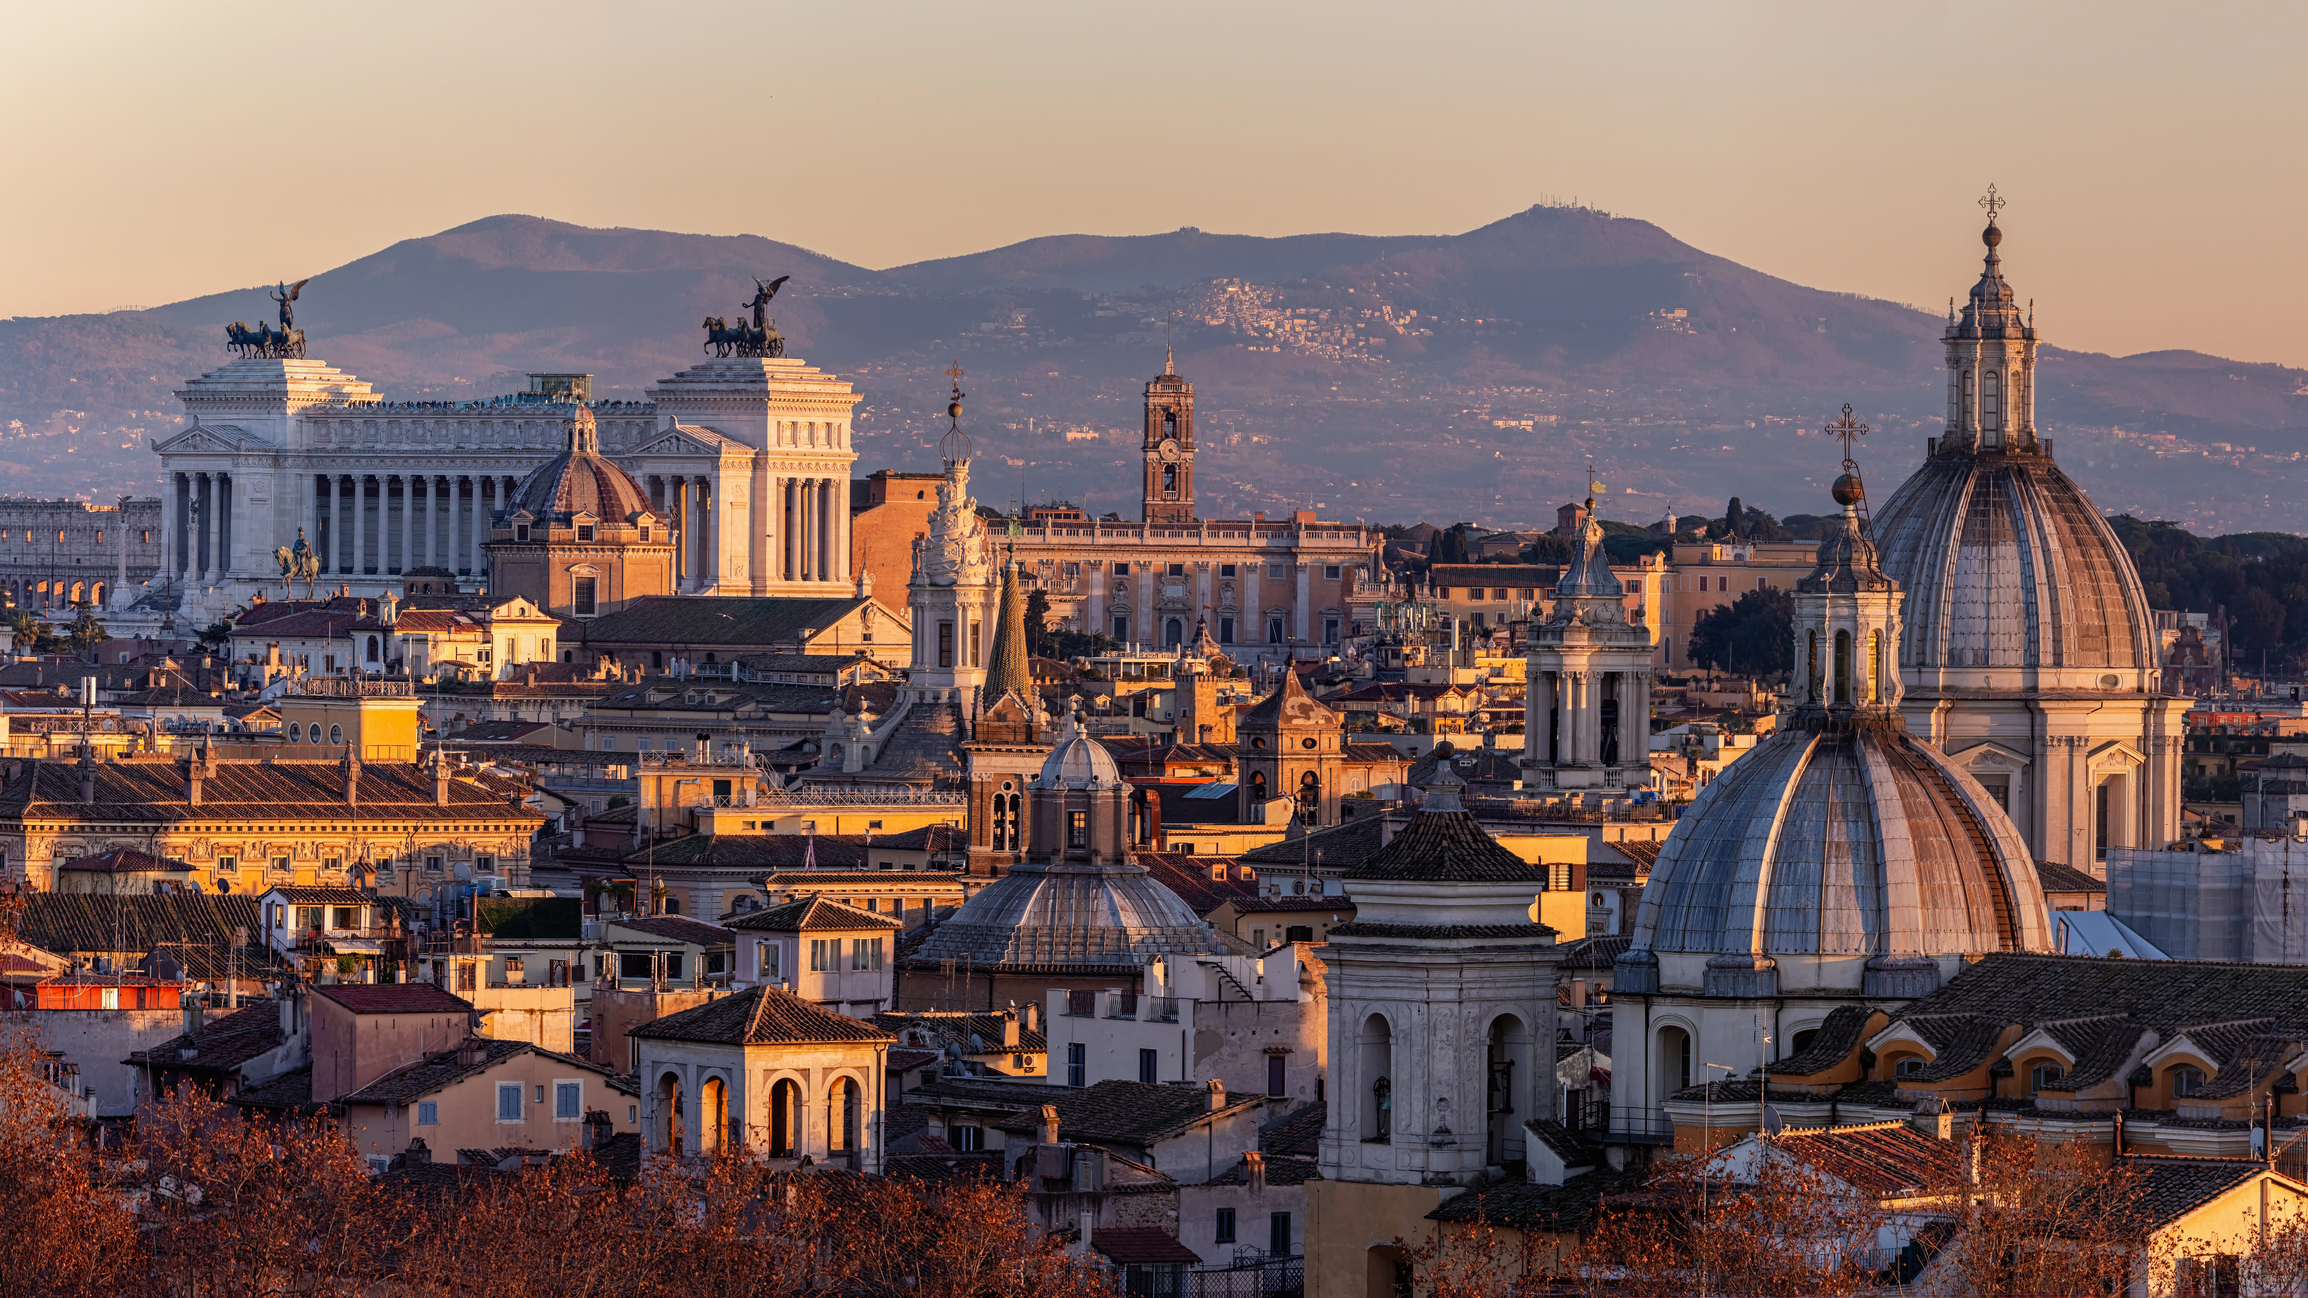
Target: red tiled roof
[
  {"x": 1141, "y": 1246},
  {"x": 392, "y": 998},
  {"x": 124, "y": 860}
]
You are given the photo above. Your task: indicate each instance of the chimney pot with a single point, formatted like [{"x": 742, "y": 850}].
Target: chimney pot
[
  {"x": 1049, "y": 1124},
  {"x": 1217, "y": 1091},
  {"x": 1254, "y": 1171}
]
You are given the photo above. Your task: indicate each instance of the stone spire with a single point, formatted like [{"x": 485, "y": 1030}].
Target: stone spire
[{"x": 1009, "y": 665}]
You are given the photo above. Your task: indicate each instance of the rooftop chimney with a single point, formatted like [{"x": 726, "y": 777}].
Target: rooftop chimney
[
  {"x": 1049, "y": 1124},
  {"x": 1010, "y": 1030},
  {"x": 192, "y": 774},
  {"x": 1254, "y": 1171},
  {"x": 1217, "y": 1094},
  {"x": 352, "y": 769}
]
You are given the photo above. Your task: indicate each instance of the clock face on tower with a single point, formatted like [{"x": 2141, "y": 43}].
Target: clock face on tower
[{"x": 1168, "y": 450}]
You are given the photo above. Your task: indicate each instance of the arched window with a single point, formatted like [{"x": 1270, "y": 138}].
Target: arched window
[
  {"x": 1910, "y": 1067},
  {"x": 1310, "y": 798},
  {"x": 841, "y": 1116},
  {"x": 1875, "y": 666},
  {"x": 1169, "y": 479},
  {"x": 669, "y": 1113},
  {"x": 1967, "y": 398},
  {"x": 1843, "y": 666},
  {"x": 1990, "y": 404},
  {"x": 2187, "y": 1080},
  {"x": 1378, "y": 1065},
  {"x": 1811, "y": 664},
  {"x": 2043, "y": 1075},
  {"x": 712, "y": 1117},
  {"x": 785, "y": 1119}
]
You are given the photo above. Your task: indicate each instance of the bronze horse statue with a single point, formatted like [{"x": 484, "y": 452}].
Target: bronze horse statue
[
  {"x": 264, "y": 341},
  {"x": 741, "y": 339}
]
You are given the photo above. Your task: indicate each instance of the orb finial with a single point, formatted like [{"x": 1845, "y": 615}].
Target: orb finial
[{"x": 1848, "y": 490}]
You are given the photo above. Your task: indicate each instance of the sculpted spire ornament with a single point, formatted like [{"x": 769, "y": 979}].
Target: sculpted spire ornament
[
  {"x": 265, "y": 342},
  {"x": 957, "y": 550},
  {"x": 760, "y": 338}
]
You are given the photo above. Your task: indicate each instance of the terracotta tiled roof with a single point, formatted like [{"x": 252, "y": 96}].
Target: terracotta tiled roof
[
  {"x": 435, "y": 1071},
  {"x": 149, "y": 792},
  {"x": 2174, "y": 1187},
  {"x": 1880, "y": 1161},
  {"x": 1297, "y": 1133},
  {"x": 1337, "y": 847},
  {"x": 1189, "y": 877},
  {"x": 1566, "y": 1207},
  {"x": 2059, "y": 877},
  {"x": 289, "y": 1092},
  {"x": 678, "y": 928},
  {"x": 736, "y": 620},
  {"x": 811, "y": 913},
  {"x": 1838, "y": 1036},
  {"x": 1599, "y": 952},
  {"x": 307, "y": 896},
  {"x": 1132, "y": 1113},
  {"x": 1141, "y": 1246},
  {"x": 392, "y": 998},
  {"x": 74, "y": 922},
  {"x": 761, "y": 1016},
  {"x": 1446, "y": 846},
  {"x": 1443, "y": 932},
  {"x": 125, "y": 860},
  {"x": 221, "y": 1044}
]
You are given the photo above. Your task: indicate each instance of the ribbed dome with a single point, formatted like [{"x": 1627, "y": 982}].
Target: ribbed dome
[
  {"x": 2006, "y": 563},
  {"x": 1045, "y": 913},
  {"x": 580, "y": 480},
  {"x": 1843, "y": 840}
]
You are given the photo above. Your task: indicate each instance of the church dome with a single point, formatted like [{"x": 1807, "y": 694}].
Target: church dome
[
  {"x": 1843, "y": 839},
  {"x": 1077, "y": 761},
  {"x": 1057, "y": 913},
  {"x": 2007, "y": 564},
  {"x": 580, "y": 480}
]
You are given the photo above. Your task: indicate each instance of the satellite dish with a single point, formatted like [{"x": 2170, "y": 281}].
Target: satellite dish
[{"x": 1772, "y": 1123}]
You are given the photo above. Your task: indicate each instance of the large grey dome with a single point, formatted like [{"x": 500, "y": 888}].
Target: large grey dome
[
  {"x": 1843, "y": 840},
  {"x": 1065, "y": 913},
  {"x": 2007, "y": 564}
]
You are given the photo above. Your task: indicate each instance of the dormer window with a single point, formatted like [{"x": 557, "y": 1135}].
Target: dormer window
[
  {"x": 1908, "y": 1068},
  {"x": 645, "y": 533},
  {"x": 520, "y": 531},
  {"x": 2186, "y": 1081},
  {"x": 584, "y": 531}
]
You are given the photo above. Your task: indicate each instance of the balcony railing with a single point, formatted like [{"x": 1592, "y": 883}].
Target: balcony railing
[{"x": 1081, "y": 1005}]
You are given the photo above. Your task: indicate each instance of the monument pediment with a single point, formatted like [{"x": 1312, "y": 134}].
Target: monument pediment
[
  {"x": 1988, "y": 755},
  {"x": 221, "y": 438},
  {"x": 687, "y": 439}
]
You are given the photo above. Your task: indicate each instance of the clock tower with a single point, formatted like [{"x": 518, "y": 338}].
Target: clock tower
[{"x": 1169, "y": 446}]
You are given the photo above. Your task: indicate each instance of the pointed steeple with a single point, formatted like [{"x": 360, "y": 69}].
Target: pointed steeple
[{"x": 1008, "y": 669}]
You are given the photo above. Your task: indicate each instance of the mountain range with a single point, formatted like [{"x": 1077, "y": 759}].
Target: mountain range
[{"x": 1447, "y": 377}]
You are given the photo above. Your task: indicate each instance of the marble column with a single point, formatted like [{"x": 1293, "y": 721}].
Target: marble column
[
  {"x": 360, "y": 524},
  {"x": 458, "y": 557},
  {"x": 789, "y": 508},
  {"x": 223, "y": 562},
  {"x": 708, "y": 534}
]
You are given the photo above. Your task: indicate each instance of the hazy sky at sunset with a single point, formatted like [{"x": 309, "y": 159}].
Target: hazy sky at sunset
[{"x": 2152, "y": 153}]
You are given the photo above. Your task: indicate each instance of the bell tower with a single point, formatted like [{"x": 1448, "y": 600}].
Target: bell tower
[{"x": 1169, "y": 446}]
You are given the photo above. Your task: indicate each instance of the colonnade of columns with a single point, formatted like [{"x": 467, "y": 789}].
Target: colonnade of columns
[
  {"x": 196, "y": 528},
  {"x": 804, "y": 524},
  {"x": 415, "y": 521},
  {"x": 1565, "y": 717}
]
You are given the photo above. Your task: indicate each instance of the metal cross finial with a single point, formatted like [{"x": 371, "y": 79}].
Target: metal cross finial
[
  {"x": 1993, "y": 204},
  {"x": 955, "y": 372},
  {"x": 1845, "y": 429}
]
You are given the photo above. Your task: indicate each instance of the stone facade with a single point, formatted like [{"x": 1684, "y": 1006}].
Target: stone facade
[
  {"x": 748, "y": 457},
  {"x": 54, "y": 553}
]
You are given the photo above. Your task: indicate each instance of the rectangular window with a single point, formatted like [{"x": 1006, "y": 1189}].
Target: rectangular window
[
  {"x": 568, "y": 1101},
  {"x": 280, "y": 865},
  {"x": 1077, "y": 829},
  {"x": 581, "y": 599},
  {"x": 1278, "y": 1234},
  {"x": 508, "y": 1102},
  {"x": 673, "y": 964},
  {"x": 1275, "y": 1075},
  {"x": 1442, "y": 592},
  {"x": 584, "y": 531},
  {"x": 818, "y": 959},
  {"x": 945, "y": 644},
  {"x": 1274, "y": 630},
  {"x": 966, "y": 1139},
  {"x": 1330, "y": 630},
  {"x": 1077, "y": 1064},
  {"x": 1258, "y": 938},
  {"x": 227, "y": 864},
  {"x": 341, "y": 917},
  {"x": 633, "y": 964},
  {"x": 1762, "y": 583},
  {"x": 1475, "y": 594},
  {"x": 484, "y": 865},
  {"x": 977, "y": 633},
  {"x": 1723, "y": 583},
  {"x": 765, "y": 959},
  {"x": 1498, "y": 592},
  {"x": 1223, "y": 1232},
  {"x": 1330, "y": 572},
  {"x": 1177, "y": 570},
  {"x": 1226, "y": 570},
  {"x": 1149, "y": 1066},
  {"x": 428, "y": 1113},
  {"x": 857, "y": 953},
  {"x": 1121, "y": 627},
  {"x": 514, "y": 967},
  {"x": 1121, "y": 570},
  {"x": 1226, "y": 630},
  {"x": 1278, "y": 571}
]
